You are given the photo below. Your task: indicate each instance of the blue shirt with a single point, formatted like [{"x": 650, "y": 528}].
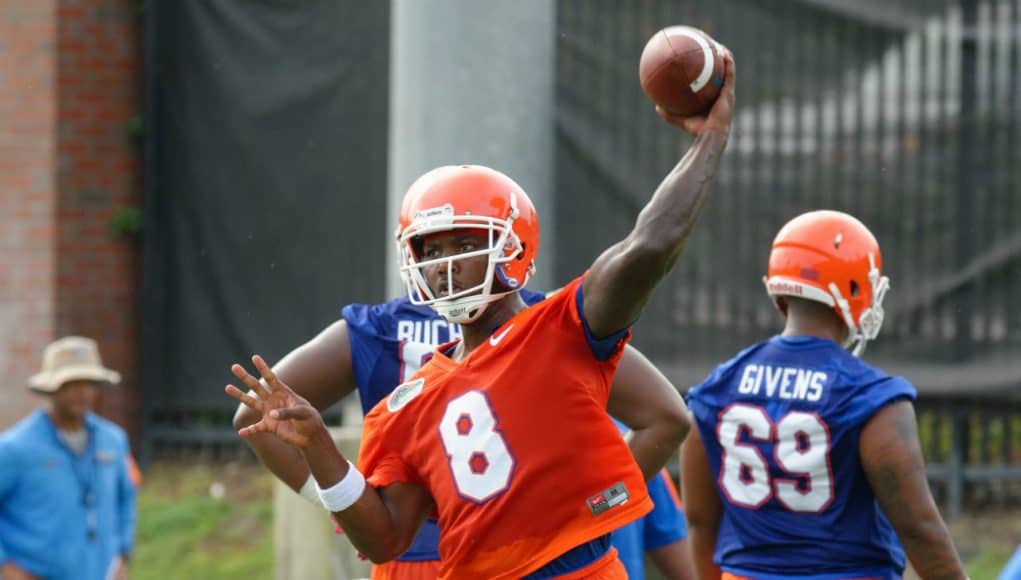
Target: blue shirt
[
  {"x": 49, "y": 495},
  {"x": 1012, "y": 570},
  {"x": 781, "y": 423},
  {"x": 389, "y": 343},
  {"x": 662, "y": 526}
]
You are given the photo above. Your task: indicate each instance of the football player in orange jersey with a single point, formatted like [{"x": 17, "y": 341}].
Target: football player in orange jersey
[
  {"x": 507, "y": 439},
  {"x": 374, "y": 348}
]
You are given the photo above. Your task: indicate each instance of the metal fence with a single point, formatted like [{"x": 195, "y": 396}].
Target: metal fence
[{"x": 904, "y": 113}]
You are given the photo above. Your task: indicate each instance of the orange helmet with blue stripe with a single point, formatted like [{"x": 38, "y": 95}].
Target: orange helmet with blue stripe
[
  {"x": 477, "y": 198},
  {"x": 831, "y": 257}
]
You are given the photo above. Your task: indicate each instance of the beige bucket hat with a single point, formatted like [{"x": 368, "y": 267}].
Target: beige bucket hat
[{"x": 71, "y": 358}]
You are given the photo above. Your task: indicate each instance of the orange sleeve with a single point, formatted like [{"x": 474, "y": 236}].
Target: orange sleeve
[{"x": 377, "y": 459}]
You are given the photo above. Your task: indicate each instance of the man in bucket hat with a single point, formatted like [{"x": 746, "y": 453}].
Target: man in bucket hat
[{"x": 67, "y": 480}]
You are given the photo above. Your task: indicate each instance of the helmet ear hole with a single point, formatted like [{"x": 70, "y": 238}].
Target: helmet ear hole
[
  {"x": 521, "y": 255},
  {"x": 781, "y": 304},
  {"x": 854, "y": 289}
]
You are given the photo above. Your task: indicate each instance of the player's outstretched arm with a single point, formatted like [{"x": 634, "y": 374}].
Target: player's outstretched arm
[
  {"x": 892, "y": 459},
  {"x": 321, "y": 372},
  {"x": 621, "y": 280},
  {"x": 702, "y": 506},
  {"x": 381, "y": 524},
  {"x": 644, "y": 400}
]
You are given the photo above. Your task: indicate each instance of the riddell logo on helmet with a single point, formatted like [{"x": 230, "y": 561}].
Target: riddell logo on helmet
[
  {"x": 785, "y": 288},
  {"x": 444, "y": 212}
]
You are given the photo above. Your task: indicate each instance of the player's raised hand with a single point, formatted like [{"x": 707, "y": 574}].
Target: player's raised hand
[
  {"x": 285, "y": 414},
  {"x": 721, "y": 114}
]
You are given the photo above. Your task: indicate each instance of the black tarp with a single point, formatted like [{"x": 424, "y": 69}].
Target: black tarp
[
  {"x": 265, "y": 184},
  {"x": 266, "y": 175}
]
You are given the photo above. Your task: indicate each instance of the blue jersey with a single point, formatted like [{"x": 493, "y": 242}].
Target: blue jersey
[
  {"x": 389, "y": 343},
  {"x": 781, "y": 423}
]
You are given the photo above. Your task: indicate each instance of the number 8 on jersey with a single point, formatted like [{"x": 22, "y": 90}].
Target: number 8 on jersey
[{"x": 480, "y": 461}]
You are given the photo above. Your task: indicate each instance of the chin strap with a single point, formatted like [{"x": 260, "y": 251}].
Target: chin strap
[{"x": 468, "y": 309}]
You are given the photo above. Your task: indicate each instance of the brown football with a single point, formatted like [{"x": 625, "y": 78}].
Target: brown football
[{"x": 681, "y": 70}]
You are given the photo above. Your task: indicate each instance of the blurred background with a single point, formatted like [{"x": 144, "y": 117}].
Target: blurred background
[{"x": 193, "y": 181}]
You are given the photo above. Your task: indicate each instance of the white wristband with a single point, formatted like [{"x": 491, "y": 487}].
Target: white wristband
[
  {"x": 345, "y": 492},
  {"x": 309, "y": 490}
]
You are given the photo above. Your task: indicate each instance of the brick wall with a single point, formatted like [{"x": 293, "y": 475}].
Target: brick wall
[
  {"x": 97, "y": 173},
  {"x": 28, "y": 195},
  {"x": 79, "y": 279}
]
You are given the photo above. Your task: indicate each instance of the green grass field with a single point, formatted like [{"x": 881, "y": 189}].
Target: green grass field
[
  {"x": 987, "y": 565},
  {"x": 986, "y": 541},
  {"x": 185, "y": 532}
]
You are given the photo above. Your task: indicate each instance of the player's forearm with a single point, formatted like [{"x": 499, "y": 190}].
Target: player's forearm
[
  {"x": 702, "y": 506},
  {"x": 668, "y": 218},
  {"x": 931, "y": 551},
  {"x": 326, "y": 463},
  {"x": 908, "y": 504},
  {"x": 368, "y": 522},
  {"x": 672, "y": 560},
  {"x": 282, "y": 459},
  {"x": 622, "y": 279},
  {"x": 653, "y": 446},
  {"x": 703, "y": 545},
  {"x": 891, "y": 456},
  {"x": 372, "y": 530}
]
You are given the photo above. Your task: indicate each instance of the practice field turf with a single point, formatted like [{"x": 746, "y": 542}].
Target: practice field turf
[{"x": 187, "y": 529}]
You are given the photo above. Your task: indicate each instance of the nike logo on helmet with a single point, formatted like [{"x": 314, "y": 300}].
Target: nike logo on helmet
[{"x": 496, "y": 338}]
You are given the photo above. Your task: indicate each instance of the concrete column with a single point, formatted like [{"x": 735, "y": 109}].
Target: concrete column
[
  {"x": 305, "y": 544},
  {"x": 472, "y": 82}
]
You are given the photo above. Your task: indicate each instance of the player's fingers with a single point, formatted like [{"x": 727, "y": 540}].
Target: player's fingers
[
  {"x": 670, "y": 117},
  {"x": 245, "y": 398},
  {"x": 293, "y": 413},
  {"x": 729, "y": 69},
  {"x": 692, "y": 125},
  {"x": 267, "y": 373},
  {"x": 251, "y": 382},
  {"x": 252, "y": 429}
]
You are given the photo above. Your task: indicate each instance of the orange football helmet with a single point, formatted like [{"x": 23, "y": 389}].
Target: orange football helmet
[
  {"x": 831, "y": 257},
  {"x": 476, "y": 198}
]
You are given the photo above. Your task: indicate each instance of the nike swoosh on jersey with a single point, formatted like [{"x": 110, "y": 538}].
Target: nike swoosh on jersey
[{"x": 496, "y": 338}]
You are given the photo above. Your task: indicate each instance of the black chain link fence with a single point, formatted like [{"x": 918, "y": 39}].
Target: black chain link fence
[{"x": 903, "y": 113}]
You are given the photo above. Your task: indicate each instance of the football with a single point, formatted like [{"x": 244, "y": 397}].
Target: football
[{"x": 681, "y": 70}]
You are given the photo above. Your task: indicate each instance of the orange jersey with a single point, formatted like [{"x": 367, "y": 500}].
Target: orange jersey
[{"x": 513, "y": 443}]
